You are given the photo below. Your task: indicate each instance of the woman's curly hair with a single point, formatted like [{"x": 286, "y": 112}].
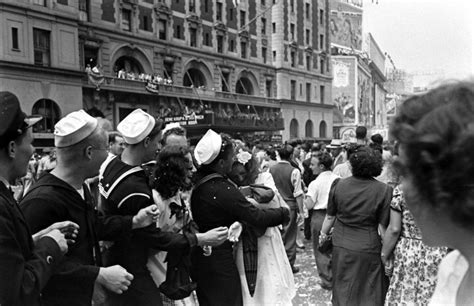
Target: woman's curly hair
[
  {"x": 171, "y": 173},
  {"x": 436, "y": 132},
  {"x": 366, "y": 162}
]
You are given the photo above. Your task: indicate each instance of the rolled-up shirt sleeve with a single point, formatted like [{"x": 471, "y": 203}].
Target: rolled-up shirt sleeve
[{"x": 296, "y": 181}]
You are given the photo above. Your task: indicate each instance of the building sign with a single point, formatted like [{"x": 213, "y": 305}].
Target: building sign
[
  {"x": 391, "y": 103},
  {"x": 152, "y": 87},
  {"x": 345, "y": 25},
  {"x": 341, "y": 74},
  {"x": 344, "y": 90},
  {"x": 192, "y": 119},
  {"x": 273, "y": 138},
  {"x": 364, "y": 108},
  {"x": 348, "y": 135}
]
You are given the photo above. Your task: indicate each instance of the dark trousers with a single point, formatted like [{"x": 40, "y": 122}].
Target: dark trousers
[
  {"x": 289, "y": 235},
  {"x": 307, "y": 226},
  {"x": 217, "y": 277},
  {"x": 323, "y": 260}
]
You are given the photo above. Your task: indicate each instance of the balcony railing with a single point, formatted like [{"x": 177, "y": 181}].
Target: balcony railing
[{"x": 137, "y": 86}]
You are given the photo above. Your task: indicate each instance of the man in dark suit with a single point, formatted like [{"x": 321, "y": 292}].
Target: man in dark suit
[{"x": 26, "y": 261}]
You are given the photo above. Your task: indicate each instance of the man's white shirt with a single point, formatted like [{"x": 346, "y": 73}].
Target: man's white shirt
[{"x": 318, "y": 190}]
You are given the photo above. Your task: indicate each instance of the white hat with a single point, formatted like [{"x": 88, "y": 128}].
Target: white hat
[
  {"x": 136, "y": 126},
  {"x": 73, "y": 128},
  {"x": 170, "y": 126},
  {"x": 208, "y": 148},
  {"x": 335, "y": 143}
]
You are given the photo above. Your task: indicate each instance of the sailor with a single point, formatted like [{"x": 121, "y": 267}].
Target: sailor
[
  {"x": 215, "y": 201},
  {"x": 125, "y": 189},
  {"x": 62, "y": 195}
]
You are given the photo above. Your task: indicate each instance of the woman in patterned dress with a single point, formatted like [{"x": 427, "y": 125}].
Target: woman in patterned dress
[
  {"x": 435, "y": 131},
  {"x": 414, "y": 264}
]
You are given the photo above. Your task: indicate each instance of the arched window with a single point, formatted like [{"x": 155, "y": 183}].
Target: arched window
[
  {"x": 294, "y": 128},
  {"x": 129, "y": 64},
  {"x": 51, "y": 115},
  {"x": 244, "y": 86},
  {"x": 309, "y": 128},
  {"x": 322, "y": 129},
  {"x": 194, "y": 77}
]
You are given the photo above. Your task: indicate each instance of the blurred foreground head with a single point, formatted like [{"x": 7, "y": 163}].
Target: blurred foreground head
[{"x": 436, "y": 135}]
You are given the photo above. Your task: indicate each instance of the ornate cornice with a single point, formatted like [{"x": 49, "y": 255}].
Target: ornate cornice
[
  {"x": 162, "y": 9},
  {"x": 194, "y": 19},
  {"x": 220, "y": 27}
]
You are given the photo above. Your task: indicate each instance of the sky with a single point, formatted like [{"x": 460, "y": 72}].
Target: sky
[{"x": 420, "y": 36}]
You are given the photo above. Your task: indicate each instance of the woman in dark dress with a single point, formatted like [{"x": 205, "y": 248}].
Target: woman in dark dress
[
  {"x": 215, "y": 202},
  {"x": 359, "y": 208}
]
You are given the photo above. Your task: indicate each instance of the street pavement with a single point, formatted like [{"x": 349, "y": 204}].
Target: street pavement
[{"x": 308, "y": 291}]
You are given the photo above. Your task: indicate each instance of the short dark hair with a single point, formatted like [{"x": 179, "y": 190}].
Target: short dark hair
[
  {"x": 159, "y": 126},
  {"x": 351, "y": 148},
  {"x": 113, "y": 135},
  {"x": 377, "y": 138},
  {"x": 436, "y": 132},
  {"x": 95, "y": 112},
  {"x": 361, "y": 132},
  {"x": 325, "y": 159},
  {"x": 285, "y": 152},
  {"x": 271, "y": 152},
  {"x": 366, "y": 162}
]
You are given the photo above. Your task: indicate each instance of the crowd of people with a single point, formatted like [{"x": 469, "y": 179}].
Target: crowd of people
[{"x": 139, "y": 217}]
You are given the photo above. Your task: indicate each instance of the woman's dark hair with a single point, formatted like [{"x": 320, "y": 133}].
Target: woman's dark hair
[
  {"x": 366, "y": 162},
  {"x": 251, "y": 168},
  {"x": 436, "y": 134},
  {"x": 171, "y": 171}
]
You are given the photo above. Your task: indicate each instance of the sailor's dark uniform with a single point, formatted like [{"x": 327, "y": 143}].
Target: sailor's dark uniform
[{"x": 125, "y": 190}]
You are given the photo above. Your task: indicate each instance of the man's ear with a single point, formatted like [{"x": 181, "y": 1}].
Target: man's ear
[
  {"x": 146, "y": 142},
  {"x": 11, "y": 149},
  {"x": 88, "y": 152}
]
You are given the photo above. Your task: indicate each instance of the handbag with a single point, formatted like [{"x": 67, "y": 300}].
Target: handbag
[
  {"x": 326, "y": 246},
  {"x": 178, "y": 284}
]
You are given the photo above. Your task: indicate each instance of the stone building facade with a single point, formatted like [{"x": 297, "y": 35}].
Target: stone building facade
[{"x": 202, "y": 63}]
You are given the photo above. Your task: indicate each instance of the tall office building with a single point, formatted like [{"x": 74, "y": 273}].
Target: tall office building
[{"x": 301, "y": 57}]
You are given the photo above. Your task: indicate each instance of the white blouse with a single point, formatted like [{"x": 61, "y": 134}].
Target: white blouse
[{"x": 451, "y": 272}]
